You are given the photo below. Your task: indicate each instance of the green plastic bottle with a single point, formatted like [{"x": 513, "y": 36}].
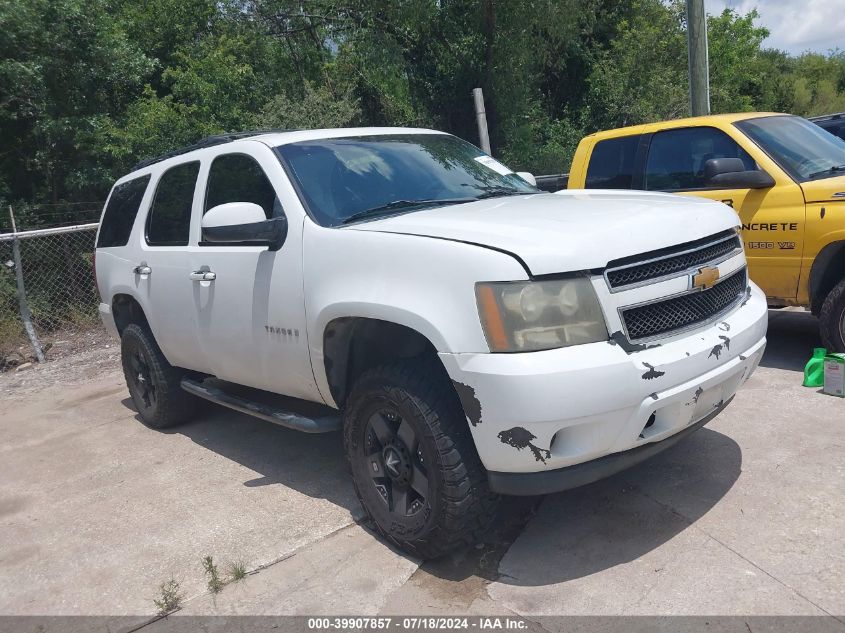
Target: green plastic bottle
[{"x": 814, "y": 370}]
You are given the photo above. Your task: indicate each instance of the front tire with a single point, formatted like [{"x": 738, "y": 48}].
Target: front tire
[
  {"x": 154, "y": 384},
  {"x": 832, "y": 319},
  {"x": 414, "y": 465}
]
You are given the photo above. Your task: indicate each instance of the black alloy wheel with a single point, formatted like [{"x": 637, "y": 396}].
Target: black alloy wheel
[{"x": 397, "y": 462}]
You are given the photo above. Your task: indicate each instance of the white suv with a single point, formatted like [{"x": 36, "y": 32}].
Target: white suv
[{"x": 471, "y": 335}]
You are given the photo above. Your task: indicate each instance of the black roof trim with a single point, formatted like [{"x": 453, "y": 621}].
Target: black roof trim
[
  {"x": 209, "y": 141},
  {"x": 827, "y": 117}
]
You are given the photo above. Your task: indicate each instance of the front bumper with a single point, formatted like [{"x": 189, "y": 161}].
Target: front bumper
[
  {"x": 542, "y": 483},
  {"x": 545, "y": 411}
]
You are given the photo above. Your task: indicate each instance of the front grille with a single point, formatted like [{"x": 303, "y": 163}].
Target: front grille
[
  {"x": 684, "y": 311},
  {"x": 655, "y": 265}
]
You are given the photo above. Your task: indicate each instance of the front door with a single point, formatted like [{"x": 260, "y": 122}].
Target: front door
[
  {"x": 251, "y": 317},
  {"x": 772, "y": 219}
]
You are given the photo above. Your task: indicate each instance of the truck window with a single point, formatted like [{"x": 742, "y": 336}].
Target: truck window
[
  {"x": 169, "y": 220},
  {"x": 239, "y": 178},
  {"x": 802, "y": 149},
  {"x": 676, "y": 157},
  {"x": 120, "y": 212},
  {"x": 612, "y": 163}
]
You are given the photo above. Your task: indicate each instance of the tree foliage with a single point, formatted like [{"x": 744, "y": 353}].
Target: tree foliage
[{"x": 89, "y": 87}]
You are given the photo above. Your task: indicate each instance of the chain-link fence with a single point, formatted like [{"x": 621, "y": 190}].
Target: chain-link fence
[{"x": 48, "y": 295}]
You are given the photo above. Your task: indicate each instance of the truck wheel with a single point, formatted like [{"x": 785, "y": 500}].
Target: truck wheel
[
  {"x": 832, "y": 319},
  {"x": 413, "y": 461},
  {"x": 154, "y": 384}
]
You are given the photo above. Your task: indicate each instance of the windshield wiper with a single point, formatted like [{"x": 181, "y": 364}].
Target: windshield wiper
[
  {"x": 830, "y": 170},
  {"x": 496, "y": 192},
  {"x": 396, "y": 205}
]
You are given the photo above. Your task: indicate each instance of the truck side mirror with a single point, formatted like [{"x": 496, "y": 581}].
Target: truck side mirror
[
  {"x": 243, "y": 223},
  {"x": 730, "y": 173}
]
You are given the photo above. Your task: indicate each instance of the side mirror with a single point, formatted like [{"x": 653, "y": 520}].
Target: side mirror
[
  {"x": 243, "y": 223},
  {"x": 527, "y": 177},
  {"x": 730, "y": 173}
]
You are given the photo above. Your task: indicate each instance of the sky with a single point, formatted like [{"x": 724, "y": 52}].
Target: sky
[{"x": 796, "y": 26}]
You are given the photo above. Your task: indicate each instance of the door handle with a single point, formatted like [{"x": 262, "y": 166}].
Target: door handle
[
  {"x": 142, "y": 269},
  {"x": 203, "y": 275}
]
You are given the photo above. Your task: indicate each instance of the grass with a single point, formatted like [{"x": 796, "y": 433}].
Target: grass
[
  {"x": 237, "y": 571},
  {"x": 169, "y": 597},
  {"x": 215, "y": 583}
]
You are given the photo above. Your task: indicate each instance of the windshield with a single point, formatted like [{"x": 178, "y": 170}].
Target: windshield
[
  {"x": 804, "y": 150},
  {"x": 365, "y": 177}
]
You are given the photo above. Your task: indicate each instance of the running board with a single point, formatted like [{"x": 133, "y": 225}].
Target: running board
[{"x": 286, "y": 418}]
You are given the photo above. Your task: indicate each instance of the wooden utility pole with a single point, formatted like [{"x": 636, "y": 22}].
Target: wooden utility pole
[
  {"x": 481, "y": 118},
  {"x": 699, "y": 72}
]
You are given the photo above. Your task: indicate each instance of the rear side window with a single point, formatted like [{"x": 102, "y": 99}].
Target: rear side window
[
  {"x": 239, "y": 178},
  {"x": 121, "y": 212},
  {"x": 676, "y": 158},
  {"x": 169, "y": 221},
  {"x": 612, "y": 163}
]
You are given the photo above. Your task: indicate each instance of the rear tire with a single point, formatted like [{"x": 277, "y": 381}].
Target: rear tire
[
  {"x": 154, "y": 384},
  {"x": 832, "y": 319},
  {"x": 413, "y": 461}
]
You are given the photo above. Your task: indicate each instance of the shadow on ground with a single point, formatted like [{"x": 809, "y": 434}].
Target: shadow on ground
[
  {"x": 313, "y": 465},
  {"x": 791, "y": 337}
]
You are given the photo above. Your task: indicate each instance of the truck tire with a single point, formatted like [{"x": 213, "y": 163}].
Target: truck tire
[
  {"x": 154, "y": 384},
  {"x": 832, "y": 319},
  {"x": 414, "y": 465}
]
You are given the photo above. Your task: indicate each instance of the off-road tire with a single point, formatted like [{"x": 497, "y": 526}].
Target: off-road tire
[
  {"x": 171, "y": 405},
  {"x": 832, "y": 319},
  {"x": 459, "y": 507}
]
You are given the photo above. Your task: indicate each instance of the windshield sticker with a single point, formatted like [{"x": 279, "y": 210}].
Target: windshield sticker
[{"x": 492, "y": 163}]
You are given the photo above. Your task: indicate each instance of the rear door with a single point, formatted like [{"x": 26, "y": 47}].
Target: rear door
[
  {"x": 161, "y": 272},
  {"x": 773, "y": 219}
]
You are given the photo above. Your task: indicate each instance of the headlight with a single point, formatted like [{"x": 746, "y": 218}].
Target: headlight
[{"x": 527, "y": 316}]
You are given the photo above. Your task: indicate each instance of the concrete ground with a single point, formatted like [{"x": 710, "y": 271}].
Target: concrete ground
[{"x": 745, "y": 517}]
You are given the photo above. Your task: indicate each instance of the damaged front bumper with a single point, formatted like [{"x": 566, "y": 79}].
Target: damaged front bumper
[{"x": 543, "y": 413}]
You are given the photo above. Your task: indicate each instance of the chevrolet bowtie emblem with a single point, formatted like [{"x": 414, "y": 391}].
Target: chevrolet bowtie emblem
[{"x": 705, "y": 278}]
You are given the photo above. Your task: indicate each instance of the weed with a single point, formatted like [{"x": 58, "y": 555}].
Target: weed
[
  {"x": 237, "y": 571},
  {"x": 215, "y": 583},
  {"x": 169, "y": 597}
]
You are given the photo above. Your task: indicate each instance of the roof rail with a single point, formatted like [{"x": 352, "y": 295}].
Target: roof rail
[
  {"x": 827, "y": 117},
  {"x": 209, "y": 141}
]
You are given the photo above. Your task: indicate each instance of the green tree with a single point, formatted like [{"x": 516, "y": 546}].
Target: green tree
[{"x": 64, "y": 66}]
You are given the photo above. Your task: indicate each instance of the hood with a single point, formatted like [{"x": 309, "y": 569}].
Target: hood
[
  {"x": 570, "y": 230},
  {"x": 824, "y": 190}
]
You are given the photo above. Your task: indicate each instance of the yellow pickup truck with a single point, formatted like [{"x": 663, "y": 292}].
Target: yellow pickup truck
[{"x": 783, "y": 175}]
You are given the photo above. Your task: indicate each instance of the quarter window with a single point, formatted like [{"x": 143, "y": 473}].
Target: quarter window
[
  {"x": 612, "y": 163},
  {"x": 676, "y": 158},
  {"x": 239, "y": 178},
  {"x": 120, "y": 213},
  {"x": 170, "y": 214}
]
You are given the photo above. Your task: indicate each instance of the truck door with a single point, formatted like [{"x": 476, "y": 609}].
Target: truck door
[
  {"x": 160, "y": 270},
  {"x": 772, "y": 219},
  {"x": 251, "y": 317}
]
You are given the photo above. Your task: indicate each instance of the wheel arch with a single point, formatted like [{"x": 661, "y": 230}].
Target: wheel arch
[
  {"x": 126, "y": 309},
  {"x": 827, "y": 270},
  {"x": 352, "y": 345}
]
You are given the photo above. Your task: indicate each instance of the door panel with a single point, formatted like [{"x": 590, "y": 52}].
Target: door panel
[
  {"x": 166, "y": 289},
  {"x": 251, "y": 317},
  {"x": 773, "y": 225},
  {"x": 773, "y": 219}
]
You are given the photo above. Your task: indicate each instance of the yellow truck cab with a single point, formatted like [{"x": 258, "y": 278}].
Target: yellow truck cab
[{"x": 783, "y": 175}]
